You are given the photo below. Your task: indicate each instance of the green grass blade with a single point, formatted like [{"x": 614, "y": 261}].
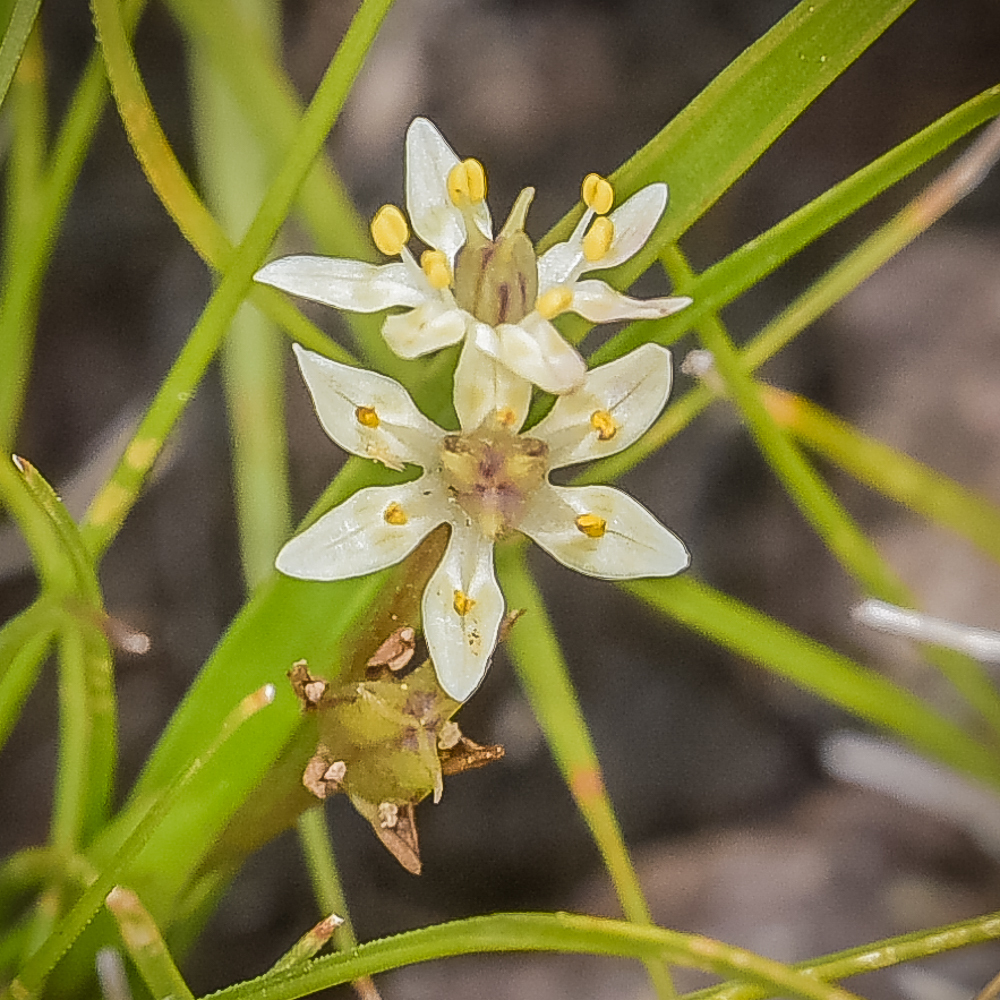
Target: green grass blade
[
  {"x": 743, "y": 268},
  {"x": 892, "y": 473},
  {"x": 738, "y": 116}
]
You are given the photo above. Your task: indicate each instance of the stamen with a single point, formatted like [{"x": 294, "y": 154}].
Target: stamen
[
  {"x": 467, "y": 183},
  {"x": 597, "y": 193},
  {"x": 434, "y": 264},
  {"x": 604, "y": 424},
  {"x": 395, "y": 515},
  {"x": 555, "y": 301},
  {"x": 367, "y": 417},
  {"x": 592, "y": 525},
  {"x": 463, "y": 604},
  {"x": 506, "y": 416},
  {"x": 599, "y": 238},
  {"x": 390, "y": 230}
]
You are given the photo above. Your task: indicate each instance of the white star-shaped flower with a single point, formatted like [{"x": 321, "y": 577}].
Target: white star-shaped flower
[
  {"x": 494, "y": 292},
  {"x": 485, "y": 481}
]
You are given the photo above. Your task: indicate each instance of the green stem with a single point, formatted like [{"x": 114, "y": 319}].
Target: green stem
[{"x": 540, "y": 932}]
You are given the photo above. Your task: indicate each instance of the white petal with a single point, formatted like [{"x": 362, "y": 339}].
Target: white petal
[
  {"x": 355, "y": 539},
  {"x": 631, "y": 391},
  {"x": 461, "y": 645},
  {"x": 435, "y": 218},
  {"x": 562, "y": 263},
  {"x": 483, "y": 386},
  {"x": 435, "y": 324},
  {"x": 344, "y": 284},
  {"x": 634, "y": 223},
  {"x": 339, "y": 391},
  {"x": 600, "y": 303},
  {"x": 535, "y": 350},
  {"x": 634, "y": 545}
]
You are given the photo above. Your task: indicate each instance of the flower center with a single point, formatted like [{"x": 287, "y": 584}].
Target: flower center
[
  {"x": 497, "y": 280},
  {"x": 492, "y": 473}
]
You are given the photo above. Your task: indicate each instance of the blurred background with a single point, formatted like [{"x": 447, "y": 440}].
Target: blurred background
[{"x": 717, "y": 770}]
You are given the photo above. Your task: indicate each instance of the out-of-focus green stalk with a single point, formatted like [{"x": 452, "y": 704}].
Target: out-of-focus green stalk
[
  {"x": 890, "y": 472},
  {"x": 116, "y": 498},
  {"x": 24, "y": 205},
  {"x": 239, "y": 52},
  {"x": 318, "y": 849},
  {"x": 814, "y": 667},
  {"x": 25, "y": 641},
  {"x": 543, "y": 673},
  {"x": 232, "y": 167},
  {"x": 27, "y": 249}
]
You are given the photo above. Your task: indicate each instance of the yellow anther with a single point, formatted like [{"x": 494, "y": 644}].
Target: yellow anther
[
  {"x": 395, "y": 515},
  {"x": 597, "y": 193},
  {"x": 599, "y": 238},
  {"x": 592, "y": 525},
  {"x": 555, "y": 301},
  {"x": 434, "y": 264},
  {"x": 463, "y": 604},
  {"x": 604, "y": 424},
  {"x": 389, "y": 230},
  {"x": 506, "y": 416},
  {"x": 367, "y": 417},
  {"x": 467, "y": 183}
]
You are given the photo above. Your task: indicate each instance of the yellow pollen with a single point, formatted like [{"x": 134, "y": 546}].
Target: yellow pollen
[
  {"x": 597, "y": 193},
  {"x": 395, "y": 515},
  {"x": 467, "y": 183},
  {"x": 598, "y": 240},
  {"x": 556, "y": 300},
  {"x": 462, "y": 604},
  {"x": 434, "y": 264},
  {"x": 367, "y": 417},
  {"x": 506, "y": 416},
  {"x": 592, "y": 525},
  {"x": 389, "y": 230},
  {"x": 604, "y": 424}
]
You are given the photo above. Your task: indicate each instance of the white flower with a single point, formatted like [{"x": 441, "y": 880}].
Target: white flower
[
  {"x": 494, "y": 292},
  {"x": 484, "y": 482}
]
